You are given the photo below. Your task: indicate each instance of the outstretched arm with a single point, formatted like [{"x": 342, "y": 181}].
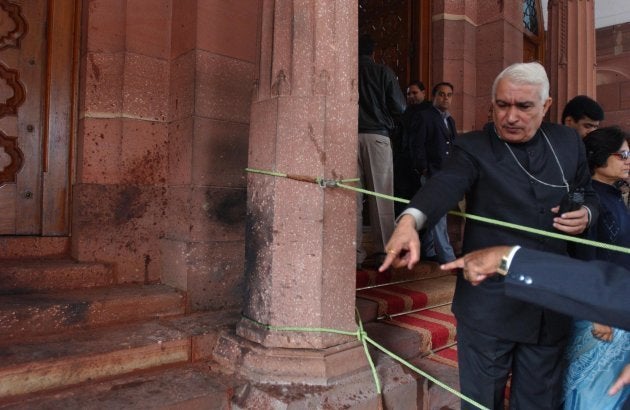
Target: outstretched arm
[
  {"x": 479, "y": 265},
  {"x": 595, "y": 290},
  {"x": 403, "y": 248}
]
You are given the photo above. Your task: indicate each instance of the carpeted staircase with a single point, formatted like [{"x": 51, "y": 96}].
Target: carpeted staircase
[{"x": 408, "y": 312}]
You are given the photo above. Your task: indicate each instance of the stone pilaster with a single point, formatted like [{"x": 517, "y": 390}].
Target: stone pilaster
[
  {"x": 498, "y": 43},
  {"x": 300, "y": 251},
  {"x": 571, "y": 61}
]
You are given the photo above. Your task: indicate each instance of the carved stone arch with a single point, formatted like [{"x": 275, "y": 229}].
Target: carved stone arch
[
  {"x": 14, "y": 27},
  {"x": 612, "y": 75}
]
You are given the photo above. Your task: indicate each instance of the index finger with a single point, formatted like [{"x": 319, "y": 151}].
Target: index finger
[
  {"x": 457, "y": 263},
  {"x": 389, "y": 259}
]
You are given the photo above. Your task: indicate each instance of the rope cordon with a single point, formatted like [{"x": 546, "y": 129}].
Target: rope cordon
[{"x": 360, "y": 333}]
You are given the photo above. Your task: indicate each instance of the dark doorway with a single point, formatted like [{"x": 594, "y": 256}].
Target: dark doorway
[{"x": 401, "y": 29}]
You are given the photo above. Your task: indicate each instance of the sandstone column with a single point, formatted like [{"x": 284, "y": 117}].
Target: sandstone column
[
  {"x": 498, "y": 43},
  {"x": 300, "y": 251},
  {"x": 571, "y": 60}
]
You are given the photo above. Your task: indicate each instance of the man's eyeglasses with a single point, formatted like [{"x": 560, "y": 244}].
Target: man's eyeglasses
[{"x": 622, "y": 154}]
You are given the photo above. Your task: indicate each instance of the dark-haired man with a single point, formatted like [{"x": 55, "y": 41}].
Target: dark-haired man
[
  {"x": 409, "y": 169},
  {"x": 434, "y": 141},
  {"x": 583, "y": 114},
  {"x": 381, "y": 101}
]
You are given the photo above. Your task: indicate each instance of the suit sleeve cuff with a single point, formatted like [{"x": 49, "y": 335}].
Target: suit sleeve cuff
[
  {"x": 510, "y": 256},
  {"x": 589, "y": 215},
  {"x": 417, "y": 214}
]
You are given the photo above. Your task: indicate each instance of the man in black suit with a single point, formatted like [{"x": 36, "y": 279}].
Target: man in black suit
[
  {"x": 434, "y": 140},
  {"x": 595, "y": 290},
  {"x": 516, "y": 170},
  {"x": 408, "y": 169},
  {"x": 592, "y": 290}
]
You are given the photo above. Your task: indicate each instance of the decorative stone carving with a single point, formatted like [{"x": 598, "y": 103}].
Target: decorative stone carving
[
  {"x": 13, "y": 27},
  {"x": 11, "y": 159},
  {"x": 281, "y": 85},
  {"x": 12, "y": 80}
]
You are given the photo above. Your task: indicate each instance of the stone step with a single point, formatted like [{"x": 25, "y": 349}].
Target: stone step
[
  {"x": 13, "y": 247},
  {"x": 414, "y": 341},
  {"x": 18, "y": 276},
  {"x": 435, "y": 396},
  {"x": 43, "y": 368},
  {"x": 193, "y": 386},
  {"x": 34, "y": 314}
]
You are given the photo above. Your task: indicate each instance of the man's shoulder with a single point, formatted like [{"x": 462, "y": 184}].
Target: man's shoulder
[
  {"x": 474, "y": 138},
  {"x": 425, "y": 105},
  {"x": 559, "y": 130},
  {"x": 430, "y": 113}
]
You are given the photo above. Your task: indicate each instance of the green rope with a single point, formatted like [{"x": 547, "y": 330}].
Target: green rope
[
  {"x": 543, "y": 233},
  {"x": 342, "y": 184},
  {"x": 363, "y": 337},
  {"x": 422, "y": 373},
  {"x": 376, "y": 194},
  {"x": 360, "y": 332}
]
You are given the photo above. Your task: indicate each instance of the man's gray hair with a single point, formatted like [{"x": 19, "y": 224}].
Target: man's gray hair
[{"x": 525, "y": 74}]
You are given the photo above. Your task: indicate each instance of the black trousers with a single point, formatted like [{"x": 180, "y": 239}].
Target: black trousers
[
  {"x": 407, "y": 181},
  {"x": 485, "y": 363}
]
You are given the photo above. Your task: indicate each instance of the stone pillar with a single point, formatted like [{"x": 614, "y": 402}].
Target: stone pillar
[
  {"x": 571, "y": 62},
  {"x": 453, "y": 59},
  {"x": 300, "y": 238},
  {"x": 499, "y": 43}
]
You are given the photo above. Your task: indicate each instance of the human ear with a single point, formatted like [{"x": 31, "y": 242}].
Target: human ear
[{"x": 546, "y": 105}]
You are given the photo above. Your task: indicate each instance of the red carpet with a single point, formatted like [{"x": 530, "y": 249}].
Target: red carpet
[
  {"x": 403, "y": 297},
  {"x": 446, "y": 356},
  {"x": 435, "y": 326},
  {"x": 369, "y": 276}
]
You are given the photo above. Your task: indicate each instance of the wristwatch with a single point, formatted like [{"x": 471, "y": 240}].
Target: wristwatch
[{"x": 503, "y": 266}]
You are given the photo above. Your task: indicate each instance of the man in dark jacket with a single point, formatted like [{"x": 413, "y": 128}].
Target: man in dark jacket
[
  {"x": 516, "y": 170},
  {"x": 381, "y": 102},
  {"x": 434, "y": 140},
  {"x": 408, "y": 171},
  {"x": 595, "y": 290}
]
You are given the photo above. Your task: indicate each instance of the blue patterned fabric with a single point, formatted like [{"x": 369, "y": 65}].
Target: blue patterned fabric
[{"x": 594, "y": 364}]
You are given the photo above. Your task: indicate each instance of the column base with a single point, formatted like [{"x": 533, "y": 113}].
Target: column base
[
  {"x": 336, "y": 377},
  {"x": 284, "y": 365}
]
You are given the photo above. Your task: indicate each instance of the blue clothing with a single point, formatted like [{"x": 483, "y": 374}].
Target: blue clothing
[
  {"x": 594, "y": 364},
  {"x": 613, "y": 225}
]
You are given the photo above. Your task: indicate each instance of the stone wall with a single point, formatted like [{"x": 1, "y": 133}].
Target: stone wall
[
  {"x": 613, "y": 74},
  {"x": 162, "y": 142}
]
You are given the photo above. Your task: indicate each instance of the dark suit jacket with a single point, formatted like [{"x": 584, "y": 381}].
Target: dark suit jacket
[
  {"x": 434, "y": 140},
  {"x": 482, "y": 168},
  {"x": 597, "y": 291}
]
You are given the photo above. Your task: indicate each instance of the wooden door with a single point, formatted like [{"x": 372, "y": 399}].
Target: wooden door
[
  {"x": 401, "y": 29},
  {"x": 534, "y": 32},
  {"x": 37, "y": 72}
]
